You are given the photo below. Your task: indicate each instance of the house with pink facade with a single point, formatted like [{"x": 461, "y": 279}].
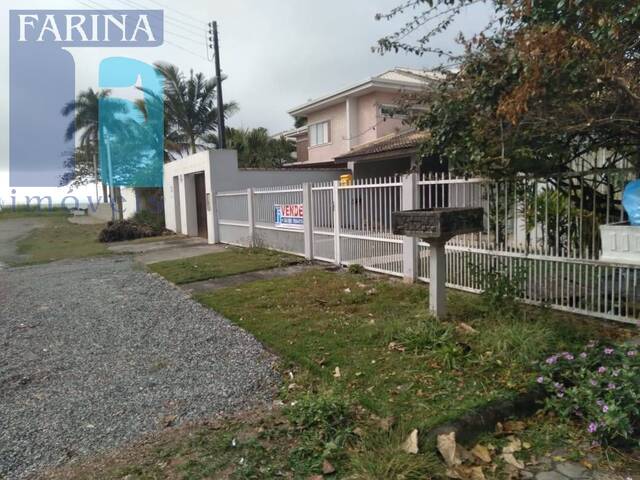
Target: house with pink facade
[{"x": 362, "y": 128}]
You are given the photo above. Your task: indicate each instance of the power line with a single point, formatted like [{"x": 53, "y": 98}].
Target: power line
[
  {"x": 163, "y": 5},
  {"x": 95, "y": 4},
  {"x": 129, "y": 3},
  {"x": 178, "y": 23},
  {"x": 98, "y": 5}
]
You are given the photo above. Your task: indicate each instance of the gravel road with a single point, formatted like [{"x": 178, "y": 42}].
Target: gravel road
[{"x": 94, "y": 353}]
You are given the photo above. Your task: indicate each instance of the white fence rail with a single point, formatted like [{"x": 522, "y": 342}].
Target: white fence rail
[{"x": 548, "y": 229}]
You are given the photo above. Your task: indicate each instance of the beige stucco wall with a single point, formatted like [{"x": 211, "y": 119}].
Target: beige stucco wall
[
  {"x": 370, "y": 120},
  {"x": 337, "y": 115},
  {"x": 369, "y": 126}
]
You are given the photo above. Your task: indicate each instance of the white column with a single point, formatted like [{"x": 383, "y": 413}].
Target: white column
[
  {"x": 307, "y": 205},
  {"x": 213, "y": 224},
  {"x": 437, "y": 280},
  {"x": 251, "y": 218},
  {"x": 410, "y": 244},
  {"x": 336, "y": 222}
]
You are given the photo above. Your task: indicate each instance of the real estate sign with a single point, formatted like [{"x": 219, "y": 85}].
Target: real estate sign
[{"x": 289, "y": 215}]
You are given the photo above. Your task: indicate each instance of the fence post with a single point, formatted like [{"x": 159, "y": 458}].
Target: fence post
[
  {"x": 307, "y": 207},
  {"x": 251, "y": 218},
  {"x": 410, "y": 244},
  {"x": 214, "y": 236},
  {"x": 336, "y": 222}
]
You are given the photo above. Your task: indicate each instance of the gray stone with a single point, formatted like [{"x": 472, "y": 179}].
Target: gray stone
[
  {"x": 571, "y": 469},
  {"x": 438, "y": 223},
  {"x": 550, "y": 476},
  {"x": 525, "y": 475}
]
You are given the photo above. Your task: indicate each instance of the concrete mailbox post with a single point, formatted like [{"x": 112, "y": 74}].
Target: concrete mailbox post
[{"x": 436, "y": 226}]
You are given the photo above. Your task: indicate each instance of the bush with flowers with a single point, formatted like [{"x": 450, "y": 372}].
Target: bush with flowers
[{"x": 599, "y": 385}]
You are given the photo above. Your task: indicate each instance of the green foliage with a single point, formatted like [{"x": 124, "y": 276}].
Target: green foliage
[
  {"x": 356, "y": 269},
  {"x": 543, "y": 84},
  {"x": 122, "y": 230},
  {"x": 598, "y": 385},
  {"x": 190, "y": 112},
  {"x": 323, "y": 424},
  {"x": 151, "y": 219},
  {"x": 501, "y": 287},
  {"x": 257, "y": 149}
]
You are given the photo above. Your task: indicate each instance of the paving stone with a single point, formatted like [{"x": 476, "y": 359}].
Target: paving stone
[
  {"x": 525, "y": 475},
  {"x": 550, "y": 476},
  {"x": 571, "y": 469}
]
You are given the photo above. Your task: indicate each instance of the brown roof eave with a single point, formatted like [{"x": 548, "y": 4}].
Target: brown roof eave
[{"x": 397, "y": 153}]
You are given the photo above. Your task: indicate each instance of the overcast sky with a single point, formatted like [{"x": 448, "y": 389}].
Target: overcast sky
[{"x": 277, "y": 54}]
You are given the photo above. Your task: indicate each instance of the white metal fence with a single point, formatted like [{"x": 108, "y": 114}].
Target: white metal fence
[{"x": 548, "y": 229}]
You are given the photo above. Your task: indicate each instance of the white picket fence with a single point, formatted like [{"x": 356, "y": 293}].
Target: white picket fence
[{"x": 530, "y": 225}]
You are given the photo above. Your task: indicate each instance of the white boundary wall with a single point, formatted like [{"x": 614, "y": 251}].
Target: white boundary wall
[
  {"x": 220, "y": 168},
  {"x": 528, "y": 226}
]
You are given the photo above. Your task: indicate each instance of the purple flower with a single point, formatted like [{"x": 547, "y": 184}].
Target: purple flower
[
  {"x": 558, "y": 386},
  {"x": 593, "y": 383},
  {"x": 552, "y": 359},
  {"x": 605, "y": 408},
  {"x": 608, "y": 351},
  {"x": 611, "y": 386},
  {"x": 568, "y": 356},
  {"x": 540, "y": 379},
  {"x": 602, "y": 369},
  {"x": 593, "y": 427},
  {"x": 632, "y": 353},
  {"x": 583, "y": 355}
]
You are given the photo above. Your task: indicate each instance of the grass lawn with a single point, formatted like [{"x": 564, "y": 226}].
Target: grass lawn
[
  {"x": 59, "y": 239},
  {"x": 8, "y": 213},
  {"x": 363, "y": 365},
  {"x": 216, "y": 265}
]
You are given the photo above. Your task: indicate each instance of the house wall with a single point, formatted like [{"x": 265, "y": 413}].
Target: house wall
[
  {"x": 371, "y": 124},
  {"x": 338, "y": 143},
  {"x": 221, "y": 171},
  {"x": 363, "y": 126}
]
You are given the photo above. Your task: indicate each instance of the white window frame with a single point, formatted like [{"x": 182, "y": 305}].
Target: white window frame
[
  {"x": 399, "y": 116},
  {"x": 313, "y": 134}
]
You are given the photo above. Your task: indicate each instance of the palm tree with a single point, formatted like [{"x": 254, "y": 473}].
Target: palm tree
[
  {"x": 86, "y": 120},
  {"x": 190, "y": 109},
  {"x": 256, "y": 148}
]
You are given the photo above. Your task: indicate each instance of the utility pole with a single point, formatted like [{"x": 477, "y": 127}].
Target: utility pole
[{"x": 213, "y": 45}]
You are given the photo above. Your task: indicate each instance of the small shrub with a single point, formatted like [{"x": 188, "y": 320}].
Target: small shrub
[
  {"x": 356, "y": 269},
  {"x": 599, "y": 385},
  {"x": 502, "y": 287},
  {"x": 323, "y": 423},
  {"x": 153, "y": 220},
  {"x": 125, "y": 230}
]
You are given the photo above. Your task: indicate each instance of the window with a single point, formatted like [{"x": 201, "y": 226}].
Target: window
[
  {"x": 318, "y": 134},
  {"x": 392, "y": 111}
]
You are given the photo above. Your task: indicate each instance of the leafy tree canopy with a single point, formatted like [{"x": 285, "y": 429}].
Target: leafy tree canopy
[
  {"x": 257, "y": 149},
  {"x": 544, "y": 83}
]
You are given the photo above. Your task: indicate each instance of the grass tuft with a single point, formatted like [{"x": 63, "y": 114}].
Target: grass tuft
[{"x": 216, "y": 265}]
